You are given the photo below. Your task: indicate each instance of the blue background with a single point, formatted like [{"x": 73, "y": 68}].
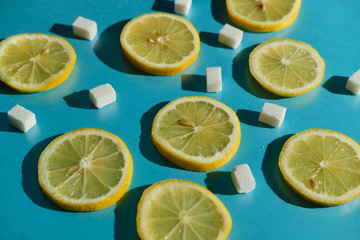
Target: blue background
[{"x": 271, "y": 211}]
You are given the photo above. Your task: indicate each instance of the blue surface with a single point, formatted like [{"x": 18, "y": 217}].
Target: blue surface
[{"x": 271, "y": 211}]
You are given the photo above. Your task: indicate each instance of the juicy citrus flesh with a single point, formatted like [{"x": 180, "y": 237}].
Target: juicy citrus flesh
[
  {"x": 34, "y": 62},
  {"x": 160, "y": 43},
  {"x": 263, "y": 15},
  {"x": 197, "y": 133},
  {"x": 287, "y": 67},
  {"x": 322, "y": 165},
  {"x": 179, "y": 209},
  {"x": 86, "y": 169}
]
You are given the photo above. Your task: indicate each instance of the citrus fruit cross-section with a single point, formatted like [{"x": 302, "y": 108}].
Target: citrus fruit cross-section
[
  {"x": 160, "y": 43},
  {"x": 86, "y": 169},
  {"x": 179, "y": 209},
  {"x": 35, "y": 62},
  {"x": 287, "y": 67},
  {"x": 263, "y": 15},
  {"x": 322, "y": 165},
  {"x": 197, "y": 133}
]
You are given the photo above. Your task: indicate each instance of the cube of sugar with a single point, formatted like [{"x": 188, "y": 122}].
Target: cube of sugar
[
  {"x": 102, "y": 95},
  {"x": 21, "y": 118},
  {"x": 85, "y": 28},
  {"x": 272, "y": 114},
  {"x": 242, "y": 178},
  {"x": 230, "y": 36},
  {"x": 213, "y": 79},
  {"x": 182, "y": 6},
  {"x": 353, "y": 83}
]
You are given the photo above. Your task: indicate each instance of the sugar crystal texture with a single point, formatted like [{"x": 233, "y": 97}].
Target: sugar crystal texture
[
  {"x": 213, "y": 79},
  {"x": 21, "y": 118},
  {"x": 272, "y": 114},
  {"x": 102, "y": 95},
  {"x": 353, "y": 83},
  {"x": 84, "y": 28},
  {"x": 230, "y": 36},
  {"x": 182, "y": 6},
  {"x": 243, "y": 178}
]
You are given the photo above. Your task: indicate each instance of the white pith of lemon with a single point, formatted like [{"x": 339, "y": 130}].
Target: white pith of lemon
[
  {"x": 35, "y": 62},
  {"x": 196, "y": 132},
  {"x": 179, "y": 209},
  {"x": 322, "y": 165},
  {"x": 160, "y": 43},
  {"x": 86, "y": 169},
  {"x": 287, "y": 67},
  {"x": 263, "y": 15}
]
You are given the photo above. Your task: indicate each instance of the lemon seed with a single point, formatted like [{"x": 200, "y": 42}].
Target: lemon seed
[{"x": 186, "y": 122}]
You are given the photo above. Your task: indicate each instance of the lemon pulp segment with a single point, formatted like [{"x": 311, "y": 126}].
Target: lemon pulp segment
[
  {"x": 160, "y": 43},
  {"x": 263, "y": 15},
  {"x": 179, "y": 209},
  {"x": 86, "y": 169},
  {"x": 322, "y": 165},
  {"x": 197, "y": 133},
  {"x": 287, "y": 67},
  {"x": 35, "y": 62}
]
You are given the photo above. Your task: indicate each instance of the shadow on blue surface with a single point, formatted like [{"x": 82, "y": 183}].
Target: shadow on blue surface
[
  {"x": 125, "y": 214},
  {"x": 241, "y": 74},
  {"x": 211, "y": 39},
  {"x": 30, "y": 176},
  {"x": 193, "y": 82},
  {"x": 108, "y": 49},
  {"x": 146, "y": 146},
  {"x": 64, "y": 31},
  {"x": 5, "y": 125},
  {"x": 79, "y": 100},
  {"x": 4, "y": 89},
  {"x": 219, "y": 12},
  {"x": 336, "y": 84},
  {"x": 251, "y": 118},
  {"x": 163, "y": 6},
  {"x": 275, "y": 179},
  {"x": 226, "y": 187}
]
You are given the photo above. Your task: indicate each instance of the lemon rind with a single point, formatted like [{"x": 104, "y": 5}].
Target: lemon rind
[
  {"x": 258, "y": 26},
  {"x": 55, "y": 79},
  {"x": 169, "y": 183},
  {"x": 85, "y": 204},
  {"x": 154, "y": 68},
  {"x": 282, "y": 91},
  {"x": 299, "y": 187},
  {"x": 190, "y": 162}
]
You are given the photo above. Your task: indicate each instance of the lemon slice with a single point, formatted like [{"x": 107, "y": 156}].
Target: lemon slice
[
  {"x": 35, "y": 62},
  {"x": 197, "y": 133},
  {"x": 179, "y": 209},
  {"x": 263, "y": 15},
  {"x": 322, "y": 165},
  {"x": 86, "y": 169},
  {"x": 160, "y": 43},
  {"x": 287, "y": 67}
]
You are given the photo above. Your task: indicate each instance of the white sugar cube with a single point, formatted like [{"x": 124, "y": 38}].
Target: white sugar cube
[
  {"x": 21, "y": 118},
  {"x": 353, "y": 83},
  {"x": 230, "y": 36},
  {"x": 85, "y": 28},
  {"x": 182, "y": 6},
  {"x": 102, "y": 95},
  {"x": 242, "y": 178},
  {"x": 213, "y": 79},
  {"x": 272, "y": 114}
]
